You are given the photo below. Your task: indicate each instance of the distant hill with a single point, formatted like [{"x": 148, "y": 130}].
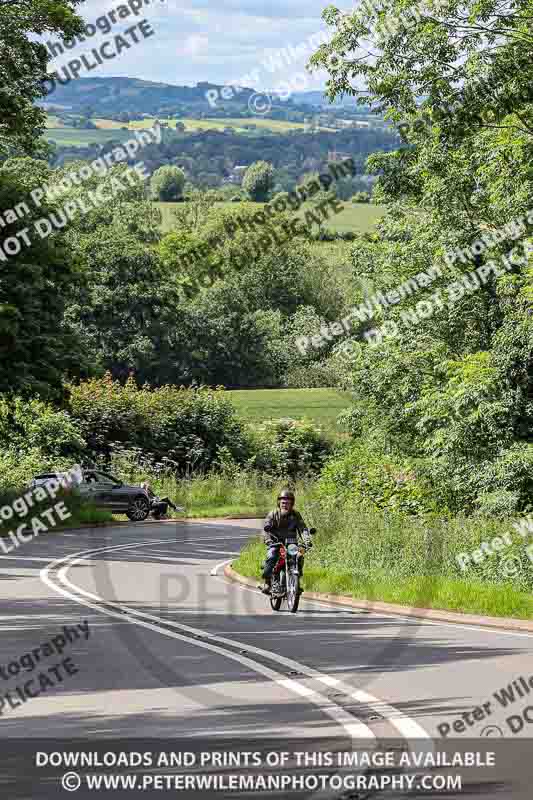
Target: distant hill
[
  {"x": 131, "y": 94},
  {"x": 320, "y": 100}
]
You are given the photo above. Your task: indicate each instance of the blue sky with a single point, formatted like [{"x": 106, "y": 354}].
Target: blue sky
[{"x": 203, "y": 40}]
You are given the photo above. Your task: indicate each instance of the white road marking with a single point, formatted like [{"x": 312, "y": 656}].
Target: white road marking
[
  {"x": 177, "y": 559},
  {"x": 354, "y": 727},
  {"x": 26, "y": 558},
  {"x": 396, "y": 615},
  {"x": 404, "y": 724},
  {"x": 222, "y": 564}
]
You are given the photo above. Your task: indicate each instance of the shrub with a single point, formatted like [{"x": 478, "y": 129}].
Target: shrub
[
  {"x": 376, "y": 481},
  {"x": 18, "y": 468},
  {"x": 317, "y": 375},
  {"x": 183, "y": 426},
  {"x": 35, "y": 426},
  {"x": 501, "y": 503},
  {"x": 289, "y": 448},
  {"x": 347, "y": 236},
  {"x": 324, "y": 235}
]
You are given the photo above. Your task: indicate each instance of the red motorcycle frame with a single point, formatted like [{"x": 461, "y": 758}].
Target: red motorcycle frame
[{"x": 286, "y": 574}]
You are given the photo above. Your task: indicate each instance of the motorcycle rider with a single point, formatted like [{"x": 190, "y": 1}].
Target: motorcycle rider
[{"x": 284, "y": 521}]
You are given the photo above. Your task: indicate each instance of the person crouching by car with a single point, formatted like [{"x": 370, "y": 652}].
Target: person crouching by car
[{"x": 158, "y": 505}]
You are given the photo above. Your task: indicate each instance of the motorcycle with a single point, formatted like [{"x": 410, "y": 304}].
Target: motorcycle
[{"x": 285, "y": 583}]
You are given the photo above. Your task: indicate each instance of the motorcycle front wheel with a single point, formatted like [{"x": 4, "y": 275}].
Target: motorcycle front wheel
[
  {"x": 278, "y": 588},
  {"x": 275, "y": 603},
  {"x": 293, "y": 593}
]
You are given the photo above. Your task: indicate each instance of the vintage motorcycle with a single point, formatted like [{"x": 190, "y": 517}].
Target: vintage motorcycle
[{"x": 285, "y": 583}]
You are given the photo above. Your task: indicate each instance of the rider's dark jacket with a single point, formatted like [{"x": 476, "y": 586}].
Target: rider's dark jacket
[{"x": 278, "y": 527}]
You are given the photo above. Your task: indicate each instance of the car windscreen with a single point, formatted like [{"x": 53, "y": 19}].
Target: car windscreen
[{"x": 105, "y": 478}]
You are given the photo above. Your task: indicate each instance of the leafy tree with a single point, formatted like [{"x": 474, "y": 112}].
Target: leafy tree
[
  {"x": 127, "y": 307},
  {"x": 36, "y": 276},
  {"x": 471, "y": 63},
  {"x": 167, "y": 183},
  {"x": 24, "y": 63},
  {"x": 449, "y": 387},
  {"x": 258, "y": 181}
]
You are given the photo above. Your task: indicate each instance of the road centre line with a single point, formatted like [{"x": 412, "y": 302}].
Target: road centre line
[
  {"x": 354, "y": 727},
  {"x": 405, "y": 725}
]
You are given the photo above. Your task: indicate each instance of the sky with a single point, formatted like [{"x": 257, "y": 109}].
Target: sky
[{"x": 203, "y": 40}]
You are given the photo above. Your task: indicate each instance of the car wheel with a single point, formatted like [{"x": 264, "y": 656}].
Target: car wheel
[{"x": 139, "y": 509}]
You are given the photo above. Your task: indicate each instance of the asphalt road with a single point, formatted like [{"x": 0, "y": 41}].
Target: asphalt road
[{"x": 160, "y": 645}]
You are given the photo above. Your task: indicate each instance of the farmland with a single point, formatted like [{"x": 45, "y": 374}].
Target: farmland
[
  {"x": 356, "y": 217},
  {"x": 320, "y": 406},
  {"x": 63, "y": 134},
  {"x": 79, "y": 137}
]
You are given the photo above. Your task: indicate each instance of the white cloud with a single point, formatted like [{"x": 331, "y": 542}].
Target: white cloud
[
  {"x": 199, "y": 40},
  {"x": 194, "y": 45}
]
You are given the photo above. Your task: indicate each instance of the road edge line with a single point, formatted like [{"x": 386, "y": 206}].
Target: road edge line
[{"x": 429, "y": 614}]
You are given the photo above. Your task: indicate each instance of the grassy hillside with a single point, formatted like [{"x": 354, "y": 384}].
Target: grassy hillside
[
  {"x": 357, "y": 217},
  {"x": 322, "y": 406}
]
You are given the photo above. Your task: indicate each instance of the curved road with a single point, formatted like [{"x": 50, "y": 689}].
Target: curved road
[{"x": 173, "y": 650}]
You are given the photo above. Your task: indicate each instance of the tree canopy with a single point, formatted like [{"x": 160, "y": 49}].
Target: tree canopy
[{"x": 23, "y": 64}]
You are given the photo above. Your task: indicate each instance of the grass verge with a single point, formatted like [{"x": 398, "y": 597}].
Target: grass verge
[{"x": 468, "y": 597}]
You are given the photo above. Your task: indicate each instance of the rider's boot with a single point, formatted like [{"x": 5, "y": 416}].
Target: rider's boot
[{"x": 266, "y": 586}]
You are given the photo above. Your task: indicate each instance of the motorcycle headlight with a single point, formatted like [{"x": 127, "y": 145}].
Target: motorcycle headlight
[{"x": 293, "y": 549}]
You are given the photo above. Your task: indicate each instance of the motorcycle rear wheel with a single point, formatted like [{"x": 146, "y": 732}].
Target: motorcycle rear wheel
[{"x": 293, "y": 593}]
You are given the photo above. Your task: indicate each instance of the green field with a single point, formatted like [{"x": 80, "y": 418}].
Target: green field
[
  {"x": 74, "y": 137},
  {"x": 54, "y": 122},
  {"x": 357, "y": 217},
  {"x": 276, "y": 125},
  {"x": 322, "y": 406}
]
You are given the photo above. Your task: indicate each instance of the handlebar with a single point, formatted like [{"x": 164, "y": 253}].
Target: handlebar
[{"x": 306, "y": 535}]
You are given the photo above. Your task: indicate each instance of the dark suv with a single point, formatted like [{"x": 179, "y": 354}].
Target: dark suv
[{"x": 108, "y": 492}]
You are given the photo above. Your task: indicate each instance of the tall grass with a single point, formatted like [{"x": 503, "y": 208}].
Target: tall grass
[
  {"x": 232, "y": 493},
  {"x": 410, "y": 560}
]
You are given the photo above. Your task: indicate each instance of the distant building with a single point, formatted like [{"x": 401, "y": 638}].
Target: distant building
[
  {"x": 236, "y": 175},
  {"x": 336, "y": 155},
  {"x": 310, "y": 125},
  {"x": 353, "y": 123}
]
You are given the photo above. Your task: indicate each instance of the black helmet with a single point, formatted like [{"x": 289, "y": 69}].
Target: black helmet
[{"x": 286, "y": 494}]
